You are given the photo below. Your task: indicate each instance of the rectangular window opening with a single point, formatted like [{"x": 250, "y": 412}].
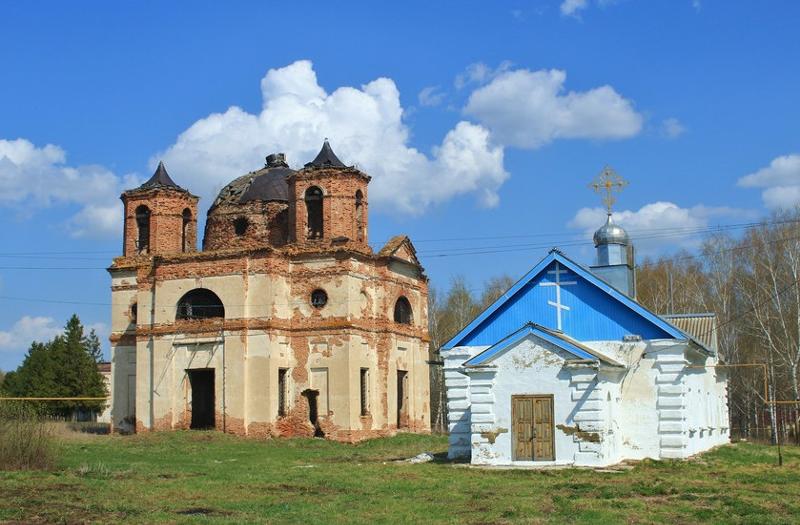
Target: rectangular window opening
[
  {"x": 283, "y": 391},
  {"x": 365, "y": 391}
]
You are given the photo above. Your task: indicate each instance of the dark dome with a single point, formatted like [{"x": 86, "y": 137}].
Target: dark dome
[{"x": 266, "y": 184}]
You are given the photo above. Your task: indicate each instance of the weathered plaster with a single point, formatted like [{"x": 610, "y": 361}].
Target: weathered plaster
[{"x": 264, "y": 279}]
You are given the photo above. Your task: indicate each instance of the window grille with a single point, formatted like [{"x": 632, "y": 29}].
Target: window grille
[
  {"x": 282, "y": 391},
  {"x": 365, "y": 391}
]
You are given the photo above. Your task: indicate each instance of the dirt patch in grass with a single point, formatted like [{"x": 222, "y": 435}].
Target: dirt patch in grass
[{"x": 202, "y": 511}]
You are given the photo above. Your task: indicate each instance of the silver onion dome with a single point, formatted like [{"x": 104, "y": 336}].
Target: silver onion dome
[{"x": 611, "y": 233}]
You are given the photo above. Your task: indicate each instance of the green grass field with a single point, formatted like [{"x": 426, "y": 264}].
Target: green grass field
[{"x": 210, "y": 477}]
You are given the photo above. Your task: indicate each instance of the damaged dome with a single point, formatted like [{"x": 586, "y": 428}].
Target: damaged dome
[{"x": 267, "y": 184}]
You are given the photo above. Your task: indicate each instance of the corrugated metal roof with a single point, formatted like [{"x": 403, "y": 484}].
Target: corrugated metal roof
[
  {"x": 595, "y": 310},
  {"x": 702, "y": 327}
]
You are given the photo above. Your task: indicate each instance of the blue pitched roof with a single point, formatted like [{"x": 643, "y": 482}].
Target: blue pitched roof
[
  {"x": 589, "y": 308},
  {"x": 558, "y": 339}
]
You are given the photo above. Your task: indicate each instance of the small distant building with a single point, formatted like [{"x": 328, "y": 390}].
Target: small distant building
[{"x": 567, "y": 368}]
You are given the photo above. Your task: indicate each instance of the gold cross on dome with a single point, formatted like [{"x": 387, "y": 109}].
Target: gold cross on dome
[{"x": 608, "y": 181}]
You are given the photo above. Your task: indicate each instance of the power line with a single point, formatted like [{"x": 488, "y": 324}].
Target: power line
[
  {"x": 484, "y": 250},
  {"x": 526, "y": 247},
  {"x": 720, "y": 251},
  {"x": 558, "y": 238},
  {"x": 662, "y": 260}
]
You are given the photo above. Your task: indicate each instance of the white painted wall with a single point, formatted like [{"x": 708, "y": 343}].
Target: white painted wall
[
  {"x": 535, "y": 367},
  {"x": 707, "y": 423},
  {"x": 659, "y": 407},
  {"x": 458, "y": 403}
]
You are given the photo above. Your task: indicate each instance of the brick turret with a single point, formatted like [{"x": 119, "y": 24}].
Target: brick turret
[
  {"x": 328, "y": 201},
  {"x": 160, "y": 217}
]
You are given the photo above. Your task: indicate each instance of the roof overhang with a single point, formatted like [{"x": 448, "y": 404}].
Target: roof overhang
[
  {"x": 582, "y": 353},
  {"x": 581, "y": 271}
]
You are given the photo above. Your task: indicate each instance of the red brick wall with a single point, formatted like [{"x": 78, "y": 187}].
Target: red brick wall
[
  {"x": 267, "y": 226},
  {"x": 166, "y": 221},
  {"x": 339, "y": 188}
]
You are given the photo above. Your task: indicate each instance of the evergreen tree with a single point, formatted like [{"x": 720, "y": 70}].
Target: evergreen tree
[
  {"x": 95, "y": 348},
  {"x": 63, "y": 367}
]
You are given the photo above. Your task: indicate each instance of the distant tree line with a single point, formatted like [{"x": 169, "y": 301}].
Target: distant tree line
[
  {"x": 65, "y": 366},
  {"x": 752, "y": 283},
  {"x": 449, "y": 312}
]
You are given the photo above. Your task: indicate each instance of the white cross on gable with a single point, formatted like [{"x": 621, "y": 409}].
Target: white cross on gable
[{"x": 558, "y": 283}]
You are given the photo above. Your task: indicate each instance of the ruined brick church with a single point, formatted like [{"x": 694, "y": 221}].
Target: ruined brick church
[{"x": 286, "y": 323}]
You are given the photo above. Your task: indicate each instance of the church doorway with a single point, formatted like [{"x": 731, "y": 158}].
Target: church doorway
[
  {"x": 201, "y": 382},
  {"x": 312, "y": 396},
  {"x": 532, "y": 424},
  {"x": 402, "y": 399}
]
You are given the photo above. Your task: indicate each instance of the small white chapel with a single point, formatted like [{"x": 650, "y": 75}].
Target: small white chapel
[{"x": 567, "y": 368}]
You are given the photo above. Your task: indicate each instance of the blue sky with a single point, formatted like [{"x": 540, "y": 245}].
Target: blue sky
[{"x": 479, "y": 121}]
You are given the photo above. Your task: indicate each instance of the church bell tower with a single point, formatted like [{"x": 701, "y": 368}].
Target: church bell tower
[
  {"x": 160, "y": 217},
  {"x": 328, "y": 201}
]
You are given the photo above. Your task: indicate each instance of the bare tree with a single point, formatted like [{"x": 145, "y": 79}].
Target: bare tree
[{"x": 494, "y": 288}]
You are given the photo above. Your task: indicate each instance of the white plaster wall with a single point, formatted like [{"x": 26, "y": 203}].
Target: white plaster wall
[
  {"x": 458, "y": 402},
  {"x": 636, "y": 410},
  {"x": 657, "y": 408},
  {"x": 534, "y": 367},
  {"x": 229, "y": 288},
  {"x": 706, "y": 407},
  {"x": 123, "y": 388},
  {"x": 623, "y": 352},
  {"x": 121, "y": 406}
]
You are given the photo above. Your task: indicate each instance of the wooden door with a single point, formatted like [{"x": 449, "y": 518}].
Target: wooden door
[{"x": 532, "y": 438}]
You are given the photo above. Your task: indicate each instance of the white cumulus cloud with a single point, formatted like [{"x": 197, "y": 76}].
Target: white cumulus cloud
[
  {"x": 780, "y": 182},
  {"x": 529, "y": 109},
  {"x": 26, "y": 330},
  {"x": 571, "y": 7},
  {"x": 479, "y": 73},
  {"x": 430, "y": 96},
  {"x": 672, "y": 128},
  {"x": 657, "y": 227},
  {"x": 38, "y": 177},
  {"x": 365, "y": 126}
]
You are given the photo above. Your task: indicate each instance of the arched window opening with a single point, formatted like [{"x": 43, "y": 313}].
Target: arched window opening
[
  {"x": 402, "y": 311},
  {"x": 359, "y": 216},
  {"x": 313, "y": 200},
  {"x": 187, "y": 221},
  {"x": 133, "y": 314},
  {"x": 240, "y": 225},
  {"x": 143, "y": 227},
  {"x": 200, "y": 303}
]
